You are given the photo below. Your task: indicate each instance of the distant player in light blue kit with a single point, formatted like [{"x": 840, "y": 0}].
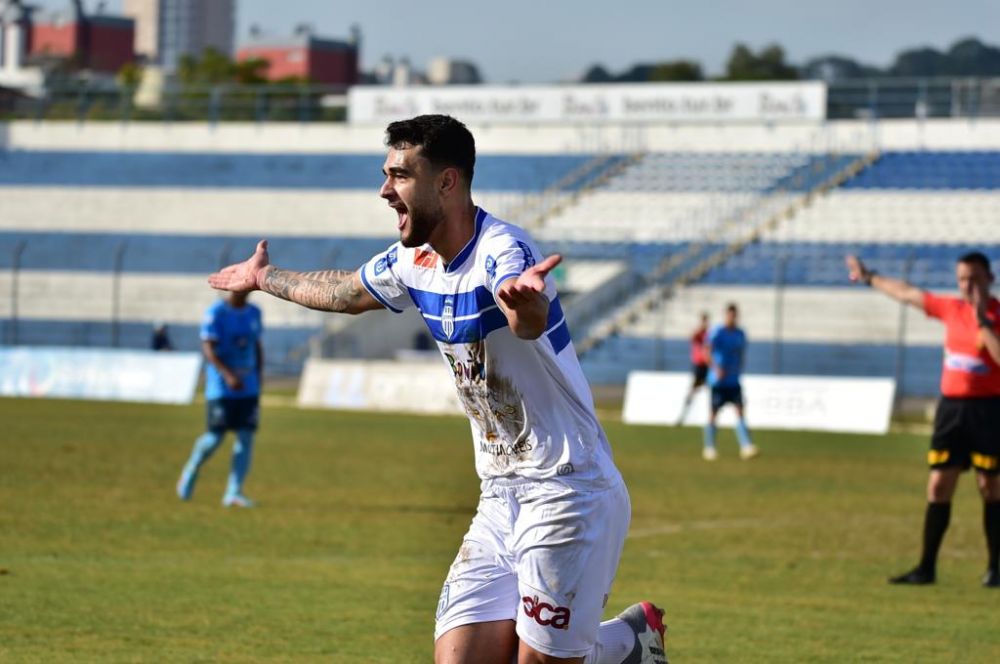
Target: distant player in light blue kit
[
  {"x": 230, "y": 340},
  {"x": 727, "y": 345}
]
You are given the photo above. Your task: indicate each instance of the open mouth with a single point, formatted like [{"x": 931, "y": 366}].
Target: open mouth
[{"x": 402, "y": 216}]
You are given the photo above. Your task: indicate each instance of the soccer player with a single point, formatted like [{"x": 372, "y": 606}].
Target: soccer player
[
  {"x": 532, "y": 575},
  {"x": 727, "y": 344},
  {"x": 699, "y": 364},
  {"x": 234, "y": 360},
  {"x": 967, "y": 422}
]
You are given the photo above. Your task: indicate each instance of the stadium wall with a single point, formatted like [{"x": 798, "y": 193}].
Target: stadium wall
[{"x": 933, "y": 134}]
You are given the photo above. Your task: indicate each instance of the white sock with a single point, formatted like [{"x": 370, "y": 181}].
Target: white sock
[{"x": 615, "y": 641}]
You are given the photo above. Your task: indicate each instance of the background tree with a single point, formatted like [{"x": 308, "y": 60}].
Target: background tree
[
  {"x": 677, "y": 70},
  {"x": 768, "y": 65}
]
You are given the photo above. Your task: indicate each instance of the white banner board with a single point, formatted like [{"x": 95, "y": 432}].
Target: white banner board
[
  {"x": 642, "y": 102},
  {"x": 855, "y": 405},
  {"x": 424, "y": 387},
  {"x": 99, "y": 374}
]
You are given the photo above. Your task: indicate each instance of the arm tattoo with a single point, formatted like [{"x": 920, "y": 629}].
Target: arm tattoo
[{"x": 327, "y": 290}]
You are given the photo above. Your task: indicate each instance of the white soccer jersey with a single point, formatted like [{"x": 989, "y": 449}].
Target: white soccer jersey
[{"x": 529, "y": 404}]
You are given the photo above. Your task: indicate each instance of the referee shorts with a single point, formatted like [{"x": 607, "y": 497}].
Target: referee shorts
[{"x": 966, "y": 434}]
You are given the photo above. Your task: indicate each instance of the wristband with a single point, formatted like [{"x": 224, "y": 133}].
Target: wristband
[
  {"x": 984, "y": 322},
  {"x": 868, "y": 276}
]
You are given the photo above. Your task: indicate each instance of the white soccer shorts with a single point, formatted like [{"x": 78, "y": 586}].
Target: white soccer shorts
[{"x": 541, "y": 554}]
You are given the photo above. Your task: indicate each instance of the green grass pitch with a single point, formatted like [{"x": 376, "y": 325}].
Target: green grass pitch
[{"x": 782, "y": 559}]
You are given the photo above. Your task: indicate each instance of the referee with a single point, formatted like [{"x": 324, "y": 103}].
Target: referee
[{"x": 967, "y": 423}]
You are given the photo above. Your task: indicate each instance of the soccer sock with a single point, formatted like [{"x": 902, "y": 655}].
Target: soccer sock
[
  {"x": 743, "y": 433},
  {"x": 710, "y": 436},
  {"x": 206, "y": 444},
  {"x": 615, "y": 641},
  {"x": 935, "y": 523},
  {"x": 242, "y": 453},
  {"x": 991, "y": 524}
]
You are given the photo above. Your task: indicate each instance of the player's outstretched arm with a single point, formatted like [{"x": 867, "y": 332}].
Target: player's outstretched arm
[
  {"x": 334, "y": 290},
  {"x": 897, "y": 289},
  {"x": 523, "y": 300}
]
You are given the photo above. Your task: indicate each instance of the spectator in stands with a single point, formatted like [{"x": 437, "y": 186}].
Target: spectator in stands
[
  {"x": 161, "y": 337},
  {"x": 230, "y": 341},
  {"x": 726, "y": 345},
  {"x": 967, "y": 422},
  {"x": 699, "y": 364}
]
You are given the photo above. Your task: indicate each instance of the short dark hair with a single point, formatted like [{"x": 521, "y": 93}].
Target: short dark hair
[
  {"x": 976, "y": 258},
  {"x": 445, "y": 141},
  {"x": 731, "y": 307}
]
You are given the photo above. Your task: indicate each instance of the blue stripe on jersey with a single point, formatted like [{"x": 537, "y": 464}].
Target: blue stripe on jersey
[
  {"x": 376, "y": 294},
  {"x": 469, "y": 330},
  {"x": 466, "y": 251},
  {"x": 469, "y": 303},
  {"x": 555, "y": 313},
  {"x": 559, "y": 337},
  {"x": 558, "y": 330}
]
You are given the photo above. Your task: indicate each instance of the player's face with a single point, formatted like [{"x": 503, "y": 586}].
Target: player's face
[
  {"x": 410, "y": 188},
  {"x": 731, "y": 318},
  {"x": 973, "y": 279}
]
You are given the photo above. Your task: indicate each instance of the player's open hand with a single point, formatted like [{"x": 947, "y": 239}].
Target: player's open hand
[
  {"x": 856, "y": 270},
  {"x": 242, "y": 277},
  {"x": 515, "y": 293}
]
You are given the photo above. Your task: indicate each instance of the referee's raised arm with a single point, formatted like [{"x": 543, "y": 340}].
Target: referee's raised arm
[{"x": 897, "y": 289}]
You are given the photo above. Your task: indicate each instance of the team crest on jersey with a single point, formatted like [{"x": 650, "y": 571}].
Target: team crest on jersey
[
  {"x": 491, "y": 268},
  {"x": 448, "y": 316},
  {"x": 425, "y": 258}
]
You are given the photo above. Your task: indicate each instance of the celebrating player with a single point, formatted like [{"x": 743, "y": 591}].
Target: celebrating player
[
  {"x": 234, "y": 360},
  {"x": 533, "y": 572},
  {"x": 967, "y": 422},
  {"x": 727, "y": 344}
]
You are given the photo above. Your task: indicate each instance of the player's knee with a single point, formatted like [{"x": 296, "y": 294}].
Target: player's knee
[
  {"x": 209, "y": 442},
  {"x": 941, "y": 486},
  {"x": 244, "y": 439},
  {"x": 989, "y": 486}
]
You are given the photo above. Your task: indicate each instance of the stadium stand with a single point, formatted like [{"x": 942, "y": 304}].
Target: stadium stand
[
  {"x": 911, "y": 214},
  {"x": 105, "y": 230},
  {"x": 96, "y": 245}
]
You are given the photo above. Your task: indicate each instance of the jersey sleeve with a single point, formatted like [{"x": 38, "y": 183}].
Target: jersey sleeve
[
  {"x": 381, "y": 277},
  {"x": 209, "y": 329},
  {"x": 508, "y": 254},
  {"x": 936, "y": 306}
]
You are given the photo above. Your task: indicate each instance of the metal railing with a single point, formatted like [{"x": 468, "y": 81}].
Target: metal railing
[
  {"x": 221, "y": 103},
  {"x": 918, "y": 98}
]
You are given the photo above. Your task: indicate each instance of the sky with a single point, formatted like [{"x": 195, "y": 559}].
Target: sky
[{"x": 544, "y": 41}]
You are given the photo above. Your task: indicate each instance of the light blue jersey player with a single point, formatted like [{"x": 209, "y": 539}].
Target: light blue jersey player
[
  {"x": 230, "y": 340},
  {"x": 534, "y": 570},
  {"x": 727, "y": 344}
]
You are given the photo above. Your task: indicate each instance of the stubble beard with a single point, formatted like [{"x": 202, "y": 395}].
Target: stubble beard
[{"x": 422, "y": 225}]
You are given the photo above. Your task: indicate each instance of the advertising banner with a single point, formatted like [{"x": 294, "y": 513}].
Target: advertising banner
[
  {"x": 646, "y": 102},
  {"x": 855, "y": 405},
  {"x": 425, "y": 387},
  {"x": 100, "y": 374}
]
